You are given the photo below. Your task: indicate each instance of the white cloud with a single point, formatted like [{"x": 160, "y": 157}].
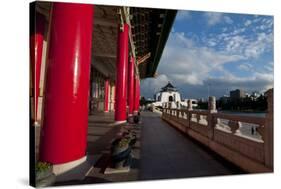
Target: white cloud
[
  {"x": 247, "y": 23},
  {"x": 235, "y": 43},
  {"x": 257, "y": 19},
  {"x": 228, "y": 20},
  {"x": 212, "y": 42},
  {"x": 213, "y": 18},
  {"x": 269, "y": 22},
  {"x": 189, "y": 65},
  {"x": 246, "y": 67},
  {"x": 268, "y": 68},
  {"x": 259, "y": 81},
  {"x": 152, "y": 85},
  {"x": 183, "y": 15},
  {"x": 238, "y": 31},
  {"x": 248, "y": 46},
  {"x": 263, "y": 43},
  {"x": 224, "y": 29},
  {"x": 262, "y": 27},
  {"x": 265, "y": 24},
  {"x": 184, "y": 62}
]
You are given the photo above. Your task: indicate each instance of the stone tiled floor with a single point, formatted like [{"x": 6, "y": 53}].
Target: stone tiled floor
[
  {"x": 161, "y": 152},
  {"x": 166, "y": 153},
  {"x": 101, "y": 132}
]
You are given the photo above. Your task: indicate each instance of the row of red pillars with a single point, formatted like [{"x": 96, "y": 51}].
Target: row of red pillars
[
  {"x": 65, "y": 121},
  {"x": 127, "y": 83}
]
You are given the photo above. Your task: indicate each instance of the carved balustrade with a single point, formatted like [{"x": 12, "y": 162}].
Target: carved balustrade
[{"x": 249, "y": 137}]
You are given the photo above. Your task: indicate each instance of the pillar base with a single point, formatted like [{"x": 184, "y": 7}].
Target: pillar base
[
  {"x": 75, "y": 170},
  {"x": 105, "y": 111},
  {"x": 118, "y": 122},
  {"x": 62, "y": 168},
  {"x": 37, "y": 124},
  {"x": 131, "y": 118}
]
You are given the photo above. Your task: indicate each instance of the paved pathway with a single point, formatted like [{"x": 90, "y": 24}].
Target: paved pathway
[
  {"x": 161, "y": 152},
  {"x": 167, "y": 153}
]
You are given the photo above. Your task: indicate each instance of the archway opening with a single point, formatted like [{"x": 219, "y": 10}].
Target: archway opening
[{"x": 171, "y": 99}]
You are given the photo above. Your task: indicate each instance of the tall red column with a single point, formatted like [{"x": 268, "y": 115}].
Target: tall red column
[
  {"x": 106, "y": 95},
  {"x": 114, "y": 97},
  {"x": 137, "y": 95},
  {"x": 67, "y": 86},
  {"x": 131, "y": 82},
  {"x": 121, "y": 79},
  {"x": 36, "y": 47}
]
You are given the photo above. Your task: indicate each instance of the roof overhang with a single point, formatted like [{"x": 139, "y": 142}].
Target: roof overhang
[{"x": 149, "y": 32}]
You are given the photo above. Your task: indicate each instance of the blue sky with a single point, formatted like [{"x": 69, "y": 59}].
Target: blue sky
[{"x": 221, "y": 50}]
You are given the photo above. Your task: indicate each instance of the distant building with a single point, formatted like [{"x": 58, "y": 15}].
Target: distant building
[
  {"x": 170, "y": 94},
  {"x": 224, "y": 98},
  {"x": 255, "y": 95},
  {"x": 202, "y": 100},
  {"x": 237, "y": 94}
]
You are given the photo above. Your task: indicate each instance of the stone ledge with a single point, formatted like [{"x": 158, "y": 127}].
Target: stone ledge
[
  {"x": 109, "y": 170},
  {"x": 75, "y": 170}
]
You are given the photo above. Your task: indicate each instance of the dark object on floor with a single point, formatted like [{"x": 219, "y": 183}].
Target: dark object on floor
[
  {"x": 136, "y": 119},
  {"x": 121, "y": 150}
]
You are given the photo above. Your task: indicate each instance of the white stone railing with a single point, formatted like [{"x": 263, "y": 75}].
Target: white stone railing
[{"x": 246, "y": 141}]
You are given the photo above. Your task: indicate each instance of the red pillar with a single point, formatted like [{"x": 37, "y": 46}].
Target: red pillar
[
  {"x": 114, "y": 97},
  {"x": 131, "y": 74},
  {"x": 65, "y": 122},
  {"x": 36, "y": 47},
  {"x": 106, "y": 95},
  {"x": 137, "y": 95},
  {"x": 121, "y": 79}
]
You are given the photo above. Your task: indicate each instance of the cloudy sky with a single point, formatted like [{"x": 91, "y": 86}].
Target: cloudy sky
[{"x": 215, "y": 53}]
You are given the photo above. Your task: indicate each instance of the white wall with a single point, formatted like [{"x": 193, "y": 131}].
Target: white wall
[{"x": 165, "y": 96}]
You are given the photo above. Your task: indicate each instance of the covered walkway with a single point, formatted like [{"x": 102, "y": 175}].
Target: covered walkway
[
  {"x": 161, "y": 152},
  {"x": 166, "y": 153}
]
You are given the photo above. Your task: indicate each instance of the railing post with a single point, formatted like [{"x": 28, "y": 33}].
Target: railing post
[
  {"x": 234, "y": 126},
  {"x": 188, "y": 118},
  {"x": 189, "y": 105},
  {"x": 268, "y": 132},
  {"x": 211, "y": 122},
  {"x": 189, "y": 108},
  {"x": 212, "y": 105},
  {"x": 198, "y": 117}
]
